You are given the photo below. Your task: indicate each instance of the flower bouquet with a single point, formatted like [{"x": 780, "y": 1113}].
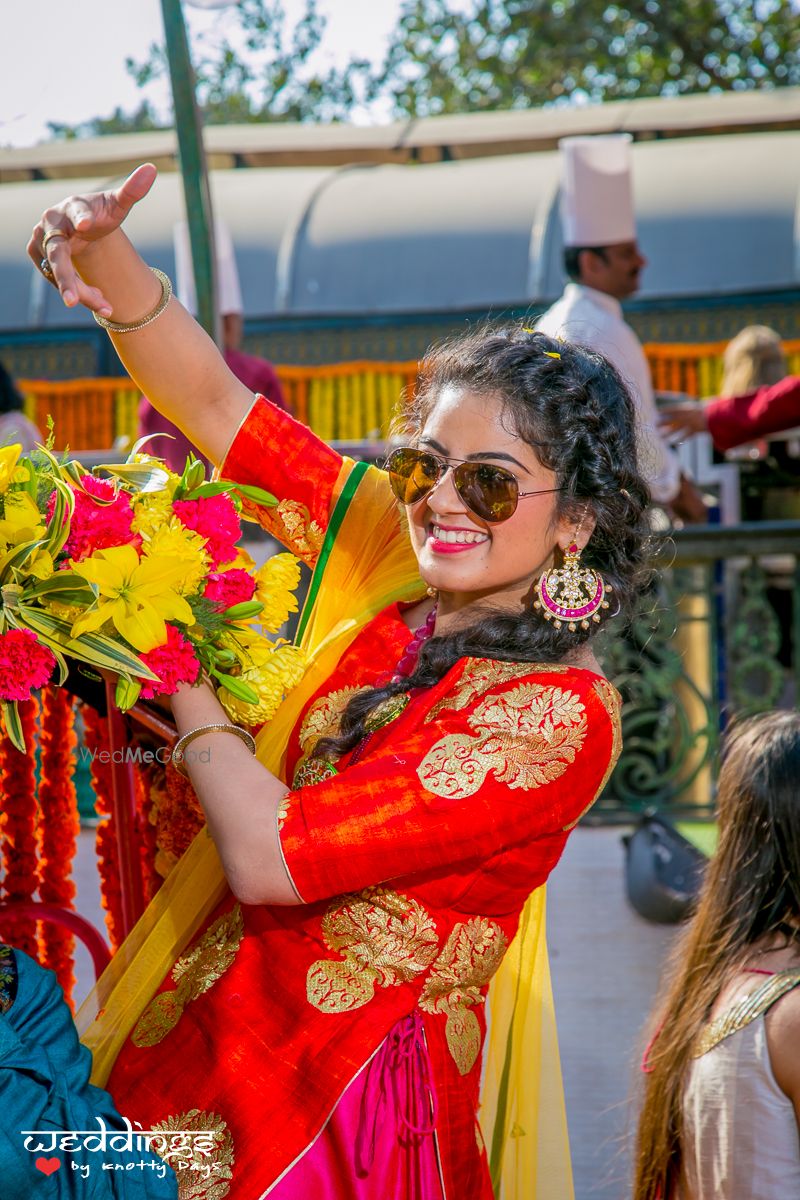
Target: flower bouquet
[{"x": 134, "y": 569}]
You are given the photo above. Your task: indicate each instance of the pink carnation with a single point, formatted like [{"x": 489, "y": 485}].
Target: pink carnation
[
  {"x": 97, "y": 526},
  {"x": 226, "y": 588},
  {"x": 25, "y": 664},
  {"x": 175, "y": 663},
  {"x": 216, "y": 520}
]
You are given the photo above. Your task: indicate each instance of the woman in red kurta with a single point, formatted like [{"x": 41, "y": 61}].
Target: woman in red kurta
[{"x": 325, "y": 1026}]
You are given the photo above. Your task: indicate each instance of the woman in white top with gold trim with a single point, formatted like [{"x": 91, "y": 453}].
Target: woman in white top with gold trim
[{"x": 722, "y": 1096}]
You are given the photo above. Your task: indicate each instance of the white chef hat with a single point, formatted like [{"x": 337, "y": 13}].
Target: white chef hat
[
  {"x": 596, "y": 190},
  {"x": 229, "y": 293}
]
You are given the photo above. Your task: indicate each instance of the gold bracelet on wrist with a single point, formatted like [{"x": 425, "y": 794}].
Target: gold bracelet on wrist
[
  {"x": 179, "y": 749},
  {"x": 132, "y": 326}
]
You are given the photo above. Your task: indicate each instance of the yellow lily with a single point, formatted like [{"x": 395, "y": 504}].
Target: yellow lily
[
  {"x": 22, "y": 521},
  {"x": 137, "y": 595},
  {"x": 9, "y": 471}
]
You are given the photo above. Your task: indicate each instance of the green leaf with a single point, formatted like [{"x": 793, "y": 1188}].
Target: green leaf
[
  {"x": 204, "y": 490},
  {"x": 145, "y": 477},
  {"x": 127, "y": 693},
  {"x": 93, "y": 648},
  {"x": 13, "y": 724},
  {"x": 257, "y": 494},
  {"x": 18, "y": 556},
  {"x": 242, "y": 691},
  {"x": 66, "y": 586}
]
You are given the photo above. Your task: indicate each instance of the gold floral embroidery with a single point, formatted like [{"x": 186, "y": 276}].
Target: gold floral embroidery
[
  {"x": 199, "y": 1147},
  {"x": 609, "y": 698},
  {"x": 300, "y": 533},
  {"x": 526, "y": 737},
  {"x": 470, "y": 957},
  {"x": 194, "y": 973},
  {"x": 384, "y": 938},
  {"x": 322, "y": 720},
  {"x": 283, "y": 810},
  {"x": 482, "y": 674},
  {"x": 324, "y": 717}
]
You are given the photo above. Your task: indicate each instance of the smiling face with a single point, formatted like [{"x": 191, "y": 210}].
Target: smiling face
[{"x": 464, "y": 557}]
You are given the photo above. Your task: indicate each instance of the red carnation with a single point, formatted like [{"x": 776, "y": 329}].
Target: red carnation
[
  {"x": 175, "y": 663},
  {"x": 226, "y": 588},
  {"x": 96, "y": 526},
  {"x": 25, "y": 664},
  {"x": 216, "y": 520}
]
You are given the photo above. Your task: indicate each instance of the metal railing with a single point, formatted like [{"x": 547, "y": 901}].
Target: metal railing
[{"x": 717, "y": 636}]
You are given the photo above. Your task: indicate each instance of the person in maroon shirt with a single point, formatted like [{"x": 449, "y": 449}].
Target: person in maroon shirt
[
  {"x": 258, "y": 375},
  {"x": 732, "y": 420}
]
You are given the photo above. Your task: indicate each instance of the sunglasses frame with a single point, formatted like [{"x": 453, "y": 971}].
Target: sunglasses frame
[{"x": 452, "y": 464}]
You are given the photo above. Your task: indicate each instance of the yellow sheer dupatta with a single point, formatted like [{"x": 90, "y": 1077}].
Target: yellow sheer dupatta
[{"x": 366, "y": 563}]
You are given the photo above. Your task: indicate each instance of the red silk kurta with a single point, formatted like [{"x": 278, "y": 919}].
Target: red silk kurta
[
  {"x": 413, "y": 863},
  {"x": 736, "y": 419}
]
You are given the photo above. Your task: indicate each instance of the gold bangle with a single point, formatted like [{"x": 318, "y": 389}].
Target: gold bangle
[
  {"x": 132, "y": 326},
  {"x": 178, "y": 751}
]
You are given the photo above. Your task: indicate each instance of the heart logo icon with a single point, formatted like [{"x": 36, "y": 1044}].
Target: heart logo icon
[{"x": 47, "y": 1165}]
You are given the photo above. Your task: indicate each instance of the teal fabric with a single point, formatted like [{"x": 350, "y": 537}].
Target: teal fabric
[{"x": 44, "y": 1085}]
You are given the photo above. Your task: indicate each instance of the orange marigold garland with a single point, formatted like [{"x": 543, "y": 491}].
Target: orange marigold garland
[
  {"x": 146, "y": 834},
  {"x": 18, "y": 822},
  {"x": 176, "y": 815},
  {"x": 97, "y": 740},
  {"x": 58, "y": 828}
]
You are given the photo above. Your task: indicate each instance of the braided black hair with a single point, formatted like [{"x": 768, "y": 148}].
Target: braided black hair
[{"x": 571, "y": 405}]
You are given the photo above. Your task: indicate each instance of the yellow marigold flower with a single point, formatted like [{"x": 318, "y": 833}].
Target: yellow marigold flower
[
  {"x": 277, "y": 670},
  {"x": 151, "y": 510},
  {"x": 276, "y": 583},
  {"x": 173, "y": 540}
]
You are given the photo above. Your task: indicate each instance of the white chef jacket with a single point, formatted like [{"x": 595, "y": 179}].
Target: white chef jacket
[{"x": 594, "y": 319}]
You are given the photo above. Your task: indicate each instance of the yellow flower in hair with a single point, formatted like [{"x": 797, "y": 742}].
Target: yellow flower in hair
[
  {"x": 551, "y": 353},
  {"x": 270, "y": 671},
  {"x": 172, "y": 541},
  {"x": 276, "y": 582}
]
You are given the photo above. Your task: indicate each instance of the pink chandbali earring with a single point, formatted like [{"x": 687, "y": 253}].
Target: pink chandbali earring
[{"x": 572, "y": 595}]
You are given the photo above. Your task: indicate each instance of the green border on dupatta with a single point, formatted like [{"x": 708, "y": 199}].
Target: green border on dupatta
[{"x": 334, "y": 525}]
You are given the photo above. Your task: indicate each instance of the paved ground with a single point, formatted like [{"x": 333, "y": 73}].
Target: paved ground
[{"x": 605, "y": 962}]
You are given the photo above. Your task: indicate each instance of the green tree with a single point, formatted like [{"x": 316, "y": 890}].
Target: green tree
[
  {"x": 259, "y": 69},
  {"x": 499, "y": 54}
]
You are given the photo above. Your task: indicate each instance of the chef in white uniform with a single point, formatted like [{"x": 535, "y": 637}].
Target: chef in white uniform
[{"x": 604, "y": 263}]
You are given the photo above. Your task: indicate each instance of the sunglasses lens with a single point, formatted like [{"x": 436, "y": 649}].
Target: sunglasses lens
[
  {"x": 489, "y": 492},
  {"x": 412, "y": 474}
]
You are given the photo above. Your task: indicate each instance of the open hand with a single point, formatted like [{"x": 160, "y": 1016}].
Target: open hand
[
  {"x": 83, "y": 220},
  {"x": 685, "y": 418}
]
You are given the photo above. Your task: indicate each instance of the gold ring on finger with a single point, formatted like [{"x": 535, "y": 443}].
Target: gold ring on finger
[{"x": 50, "y": 235}]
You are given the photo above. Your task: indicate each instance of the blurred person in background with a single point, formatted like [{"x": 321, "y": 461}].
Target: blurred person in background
[
  {"x": 258, "y": 375},
  {"x": 15, "y": 427},
  {"x": 721, "y": 1112},
  {"x": 757, "y": 397},
  {"x": 604, "y": 265}
]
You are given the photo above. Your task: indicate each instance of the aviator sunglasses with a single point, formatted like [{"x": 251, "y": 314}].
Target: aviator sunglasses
[{"x": 489, "y": 492}]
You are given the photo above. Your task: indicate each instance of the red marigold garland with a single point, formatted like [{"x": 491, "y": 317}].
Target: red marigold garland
[
  {"x": 58, "y": 828},
  {"x": 97, "y": 740},
  {"x": 176, "y": 815},
  {"x": 18, "y": 821}
]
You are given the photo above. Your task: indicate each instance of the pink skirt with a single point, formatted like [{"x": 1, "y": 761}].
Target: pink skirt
[{"x": 380, "y": 1139}]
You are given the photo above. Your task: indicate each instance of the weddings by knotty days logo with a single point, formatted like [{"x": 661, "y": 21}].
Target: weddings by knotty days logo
[{"x": 204, "y": 1149}]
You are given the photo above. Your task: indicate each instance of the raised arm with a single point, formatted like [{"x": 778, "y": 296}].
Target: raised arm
[{"x": 171, "y": 359}]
